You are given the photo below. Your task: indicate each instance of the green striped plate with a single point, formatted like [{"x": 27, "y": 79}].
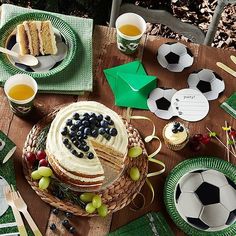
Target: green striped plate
[
  {"x": 67, "y": 32},
  {"x": 177, "y": 173}
]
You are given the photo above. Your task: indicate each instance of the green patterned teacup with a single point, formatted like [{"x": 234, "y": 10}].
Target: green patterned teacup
[
  {"x": 20, "y": 107},
  {"x": 125, "y": 43}
]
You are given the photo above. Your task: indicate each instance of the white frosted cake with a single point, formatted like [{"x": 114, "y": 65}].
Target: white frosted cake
[{"x": 80, "y": 136}]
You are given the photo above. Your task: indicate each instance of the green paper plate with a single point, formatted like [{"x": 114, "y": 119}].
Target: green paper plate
[
  {"x": 67, "y": 32},
  {"x": 179, "y": 171}
]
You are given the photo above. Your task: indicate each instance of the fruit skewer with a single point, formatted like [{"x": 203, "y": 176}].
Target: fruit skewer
[
  {"x": 226, "y": 129},
  {"x": 221, "y": 142}
]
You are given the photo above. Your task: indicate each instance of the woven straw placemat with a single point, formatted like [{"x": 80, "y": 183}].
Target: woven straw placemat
[{"x": 116, "y": 196}]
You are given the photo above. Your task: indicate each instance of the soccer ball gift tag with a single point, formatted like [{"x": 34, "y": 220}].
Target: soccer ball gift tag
[
  {"x": 207, "y": 82},
  {"x": 174, "y": 56},
  {"x": 188, "y": 104},
  {"x": 206, "y": 199}
]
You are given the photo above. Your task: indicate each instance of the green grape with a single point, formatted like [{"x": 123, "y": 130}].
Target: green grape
[
  {"x": 102, "y": 210},
  {"x": 97, "y": 201},
  {"x": 44, "y": 182},
  {"x": 134, "y": 173},
  {"x": 135, "y": 151},
  {"x": 90, "y": 208},
  {"x": 87, "y": 197},
  {"x": 35, "y": 175},
  {"x": 45, "y": 171}
]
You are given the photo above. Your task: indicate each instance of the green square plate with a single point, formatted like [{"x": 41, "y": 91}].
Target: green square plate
[{"x": 70, "y": 37}]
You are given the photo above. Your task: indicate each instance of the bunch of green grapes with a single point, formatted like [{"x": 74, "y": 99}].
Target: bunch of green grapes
[
  {"x": 94, "y": 203},
  {"x": 43, "y": 174}
]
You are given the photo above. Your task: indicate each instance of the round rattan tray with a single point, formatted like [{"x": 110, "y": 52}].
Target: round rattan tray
[{"x": 116, "y": 196}]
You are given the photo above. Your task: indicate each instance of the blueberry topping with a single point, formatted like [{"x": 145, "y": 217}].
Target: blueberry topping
[
  {"x": 92, "y": 120},
  {"x": 75, "y": 153},
  {"x": 101, "y": 131},
  {"x": 80, "y": 147},
  {"x": 64, "y": 131},
  {"x": 90, "y": 155},
  {"x": 85, "y": 123},
  {"x": 174, "y": 131},
  {"x": 86, "y": 114},
  {"x": 79, "y": 133},
  {"x": 66, "y": 223},
  {"x": 80, "y": 155},
  {"x": 52, "y": 226},
  {"x": 83, "y": 143},
  {"x": 100, "y": 117},
  {"x": 73, "y": 139},
  {"x": 72, "y": 230},
  {"x": 72, "y": 134},
  {"x": 65, "y": 141},
  {"x": 181, "y": 129},
  {"x": 113, "y": 132},
  {"x": 55, "y": 211},
  {"x": 81, "y": 128},
  {"x": 94, "y": 133},
  {"x": 107, "y": 130},
  {"x": 85, "y": 148},
  {"x": 104, "y": 124},
  {"x": 77, "y": 123},
  {"x": 87, "y": 131},
  {"x": 107, "y": 118},
  {"x": 73, "y": 127},
  {"x": 110, "y": 122},
  {"x": 69, "y": 122},
  {"x": 76, "y": 116},
  {"x": 176, "y": 124},
  {"x": 68, "y": 146},
  {"x": 76, "y": 143}
]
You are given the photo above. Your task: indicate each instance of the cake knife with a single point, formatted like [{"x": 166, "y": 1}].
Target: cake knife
[{"x": 226, "y": 68}]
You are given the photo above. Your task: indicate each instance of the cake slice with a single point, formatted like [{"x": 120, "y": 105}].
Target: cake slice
[
  {"x": 48, "y": 38},
  {"x": 22, "y": 39}
]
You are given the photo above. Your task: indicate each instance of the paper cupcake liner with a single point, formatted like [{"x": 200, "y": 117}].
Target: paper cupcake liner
[{"x": 175, "y": 147}]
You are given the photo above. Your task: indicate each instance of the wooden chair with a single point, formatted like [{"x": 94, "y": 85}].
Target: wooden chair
[{"x": 192, "y": 32}]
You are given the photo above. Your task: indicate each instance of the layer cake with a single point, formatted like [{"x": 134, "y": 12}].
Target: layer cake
[{"x": 81, "y": 136}]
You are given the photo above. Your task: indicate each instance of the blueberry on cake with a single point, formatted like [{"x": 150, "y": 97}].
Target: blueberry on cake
[
  {"x": 81, "y": 137},
  {"x": 36, "y": 38}
]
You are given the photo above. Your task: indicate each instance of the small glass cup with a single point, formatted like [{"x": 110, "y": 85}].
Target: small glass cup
[
  {"x": 125, "y": 43},
  {"x": 20, "y": 107}
]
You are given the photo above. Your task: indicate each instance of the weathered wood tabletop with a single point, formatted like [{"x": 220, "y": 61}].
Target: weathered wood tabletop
[{"x": 106, "y": 55}]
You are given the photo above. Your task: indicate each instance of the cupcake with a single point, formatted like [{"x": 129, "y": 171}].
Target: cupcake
[{"x": 175, "y": 135}]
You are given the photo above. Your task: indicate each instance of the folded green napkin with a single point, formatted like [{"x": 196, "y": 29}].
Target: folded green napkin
[
  {"x": 79, "y": 78},
  {"x": 230, "y": 105},
  {"x": 151, "y": 224},
  {"x": 130, "y": 84}
]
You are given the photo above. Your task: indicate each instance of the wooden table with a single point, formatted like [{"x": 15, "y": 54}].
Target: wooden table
[{"x": 106, "y": 55}]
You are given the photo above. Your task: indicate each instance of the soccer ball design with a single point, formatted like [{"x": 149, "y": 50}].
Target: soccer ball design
[
  {"x": 159, "y": 102},
  {"x": 207, "y": 82},
  {"x": 174, "y": 56},
  {"x": 206, "y": 199}
]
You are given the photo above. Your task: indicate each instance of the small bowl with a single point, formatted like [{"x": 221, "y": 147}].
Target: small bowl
[{"x": 174, "y": 57}]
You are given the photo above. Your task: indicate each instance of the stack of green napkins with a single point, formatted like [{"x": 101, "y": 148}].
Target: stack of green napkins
[
  {"x": 153, "y": 223},
  {"x": 130, "y": 84}
]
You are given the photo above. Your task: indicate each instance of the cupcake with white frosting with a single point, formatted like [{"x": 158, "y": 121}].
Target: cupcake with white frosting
[{"x": 175, "y": 135}]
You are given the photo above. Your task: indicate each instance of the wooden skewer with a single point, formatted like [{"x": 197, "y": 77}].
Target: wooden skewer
[
  {"x": 227, "y": 140},
  {"x": 221, "y": 142},
  {"x": 233, "y": 147}
]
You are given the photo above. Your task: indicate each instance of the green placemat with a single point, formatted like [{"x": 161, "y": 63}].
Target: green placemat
[
  {"x": 78, "y": 76},
  {"x": 230, "y": 105},
  {"x": 153, "y": 223}
]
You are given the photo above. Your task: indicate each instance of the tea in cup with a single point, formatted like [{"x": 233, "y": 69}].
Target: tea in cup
[
  {"x": 20, "y": 90},
  {"x": 130, "y": 28}
]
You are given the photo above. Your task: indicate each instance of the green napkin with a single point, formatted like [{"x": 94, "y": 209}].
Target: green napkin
[
  {"x": 79, "y": 78},
  {"x": 150, "y": 224},
  {"x": 230, "y": 105},
  {"x": 130, "y": 84}
]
